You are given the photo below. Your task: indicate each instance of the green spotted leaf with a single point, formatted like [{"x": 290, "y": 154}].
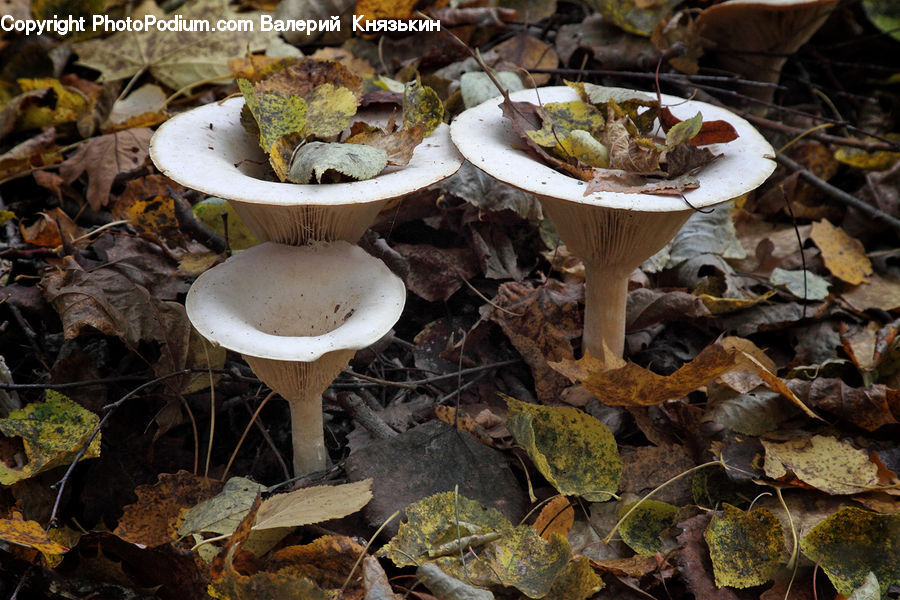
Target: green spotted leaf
[
  {"x": 573, "y": 450},
  {"x": 644, "y": 526},
  {"x": 853, "y": 542},
  {"x": 745, "y": 548},
  {"x": 421, "y": 104}
]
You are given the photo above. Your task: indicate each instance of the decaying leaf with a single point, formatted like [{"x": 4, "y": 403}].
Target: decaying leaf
[
  {"x": 745, "y": 547},
  {"x": 103, "y": 158},
  {"x": 557, "y": 517},
  {"x": 177, "y": 59},
  {"x": 313, "y": 505},
  {"x": 642, "y": 529},
  {"x": 51, "y": 434},
  {"x": 851, "y": 543},
  {"x": 223, "y": 512},
  {"x": 155, "y": 518},
  {"x": 437, "y": 519},
  {"x": 573, "y": 450},
  {"x": 824, "y": 462},
  {"x": 324, "y": 162},
  {"x": 844, "y": 256},
  {"x": 29, "y": 534},
  {"x": 421, "y": 104}
]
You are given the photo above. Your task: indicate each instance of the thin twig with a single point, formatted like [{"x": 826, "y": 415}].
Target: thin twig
[{"x": 839, "y": 194}]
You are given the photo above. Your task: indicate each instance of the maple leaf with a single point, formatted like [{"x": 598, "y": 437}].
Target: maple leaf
[{"x": 176, "y": 59}]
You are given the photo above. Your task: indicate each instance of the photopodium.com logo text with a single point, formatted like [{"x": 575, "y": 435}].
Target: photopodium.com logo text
[{"x": 103, "y": 23}]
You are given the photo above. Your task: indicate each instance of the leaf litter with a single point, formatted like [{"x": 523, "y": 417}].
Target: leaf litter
[{"x": 108, "y": 306}]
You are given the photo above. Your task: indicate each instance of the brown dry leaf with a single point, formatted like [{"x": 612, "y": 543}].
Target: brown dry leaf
[
  {"x": 526, "y": 52},
  {"x": 376, "y": 582},
  {"x": 541, "y": 322},
  {"x": 859, "y": 345},
  {"x": 327, "y": 561},
  {"x": 869, "y": 408},
  {"x": 103, "y": 158},
  {"x": 844, "y": 256},
  {"x": 255, "y": 67},
  {"x": 636, "y": 566},
  {"x": 875, "y": 292},
  {"x": 437, "y": 273},
  {"x": 646, "y": 467},
  {"x": 49, "y": 228},
  {"x": 399, "y": 145},
  {"x": 29, "y": 534},
  {"x": 463, "y": 421},
  {"x": 823, "y": 462},
  {"x": 647, "y": 307},
  {"x": 110, "y": 302},
  {"x": 556, "y": 518},
  {"x": 355, "y": 64},
  {"x": 33, "y": 153},
  {"x": 303, "y": 78},
  {"x": 153, "y": 520},
  {"x": 632, "y": 385}
]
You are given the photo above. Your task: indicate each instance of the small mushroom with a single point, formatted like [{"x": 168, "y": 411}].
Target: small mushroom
[
  {"x": 754, "y": 38},
  {"x": 612, "y": 232},
  {"x": 297, "y": 314},
  {"x": 208, "y": 150}
]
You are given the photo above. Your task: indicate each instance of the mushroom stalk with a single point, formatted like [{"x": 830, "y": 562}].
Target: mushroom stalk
[
  {"x": 605, "y": 295},
  {"x": 308, "y": 434}
]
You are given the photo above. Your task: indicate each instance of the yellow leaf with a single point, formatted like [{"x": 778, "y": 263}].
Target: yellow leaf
[
  {"x": 437, "y": 519},
  {"x": 573, "y": 450},
  {"x": 871, "y": 161},
  {"x": 421, "y": 104},
  {"x": 823, "y": 462},
  {"x": 70, "y": 104},
  {"x": 385, "y": 9},
  {"x": 276, "y": 114},
  {"x": 29, "y": 534},
  {"x": 51, "y": 432},
  {"x": 642, "y": 529},
  {"x": 560, "y": 118},
  {"x": 720, "y": 306},
  {"x": 329, "y": 110},
  {"x": 843, "y": 255},
  {"x": 745, "y": 548}
]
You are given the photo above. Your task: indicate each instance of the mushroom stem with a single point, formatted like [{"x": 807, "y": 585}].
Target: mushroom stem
[
  {"x": 605, "y": 294},
  {"x": 302, "y": 384},
  {"x": 308, "y": 435}
]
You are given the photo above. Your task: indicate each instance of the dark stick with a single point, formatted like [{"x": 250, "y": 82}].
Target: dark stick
[{"x": 840, "y": 195}]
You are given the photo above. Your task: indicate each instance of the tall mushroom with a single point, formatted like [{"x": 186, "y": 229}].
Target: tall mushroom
[
  {"x": 297, "y": 314},
  {"x": 612, "y": 232},
  {"x": 754, "y": 38},
  {"x": 208, "y": 150}
]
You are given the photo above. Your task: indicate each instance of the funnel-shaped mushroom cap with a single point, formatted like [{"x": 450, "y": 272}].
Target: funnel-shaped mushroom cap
[
  {"x": 208, "y": 150},
  {"x": 612, "y": 232},
  {"x": 296, "y": 303},
  {"x": 753, "y": 38}
]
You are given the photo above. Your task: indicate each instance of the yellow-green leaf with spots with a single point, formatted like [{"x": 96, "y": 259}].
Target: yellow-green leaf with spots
[
  {"x": 573, "y": 450},
  {"x": 51, "y": 433},
  {"x": 582, "y": 145},
  {"x": 853, "y": 542},
  {"x": 329, "y": 110},
  {"x": 421, "y": 104},
  {"x": 684, "y": 131},
  {"x": 560, "y": 118},
  {"x": 539, "y": 568},
  {"x": 642, "y": 529},
  {"x": 745, "y": 548},
  {"x": 823, "y": 462},
  {"x": 29, "y": 534},
  {"x": 68, "y": 105},
  {"x": 276, "y": 114},
  {"x": 439, "y": 519}
]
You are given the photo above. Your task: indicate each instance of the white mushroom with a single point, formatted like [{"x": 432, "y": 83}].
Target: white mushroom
[
  {"x": 208, "y": 150},
  {"x": 612, "y": 232},
  {"x": 297, "y": 314}
]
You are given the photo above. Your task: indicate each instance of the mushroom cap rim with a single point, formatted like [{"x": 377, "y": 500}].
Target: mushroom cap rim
[
  {"x": 385, "y": 299},
  {"x": 746, "y": 162},
  {"x": 184, "y": 149}
]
